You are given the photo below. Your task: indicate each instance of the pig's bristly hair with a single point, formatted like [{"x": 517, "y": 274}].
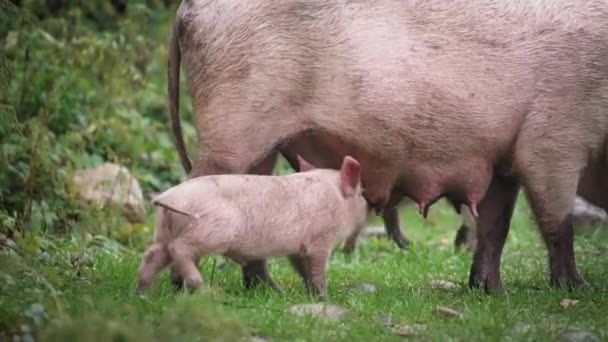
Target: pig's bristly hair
[{"x": 169, "y": 207}]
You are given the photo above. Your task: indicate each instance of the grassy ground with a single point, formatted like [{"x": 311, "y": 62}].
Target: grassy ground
[{"x": 71, "y": 291}]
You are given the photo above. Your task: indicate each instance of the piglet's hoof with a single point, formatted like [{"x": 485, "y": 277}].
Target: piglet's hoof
[
  {"x": 142, "y": 288},
  {"x": 177, "y": 282},
  {"x": 193, "y": 285},
  {"x": 254, "y": 281}
]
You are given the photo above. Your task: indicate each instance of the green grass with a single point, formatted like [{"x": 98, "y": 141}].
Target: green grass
[{"x": 96, "y": 300}]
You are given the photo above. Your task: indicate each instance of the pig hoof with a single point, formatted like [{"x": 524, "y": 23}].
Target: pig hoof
[
  {"x": 489, "y": 287},
  {"x": 348, "y": 249},
  {"x": 321, "y": 297},
  {"x": 252, "y": 282},
  {"x": 142, "y": 288},
  {"x": 193, "y": 285},
  {"x": 402, "y": 243},
  {"x": 277, "y": 289},
  {"x": 177, "y": 282},
  {"x": 570, "y": 282}
]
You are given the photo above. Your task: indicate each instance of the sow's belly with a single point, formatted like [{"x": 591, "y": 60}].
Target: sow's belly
[{"x": 463, "y": 181}]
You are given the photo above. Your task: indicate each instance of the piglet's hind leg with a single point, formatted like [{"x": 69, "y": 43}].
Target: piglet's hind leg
[
  {"x": 154, "y": 260},
  {"x": 184, "y": 264}
]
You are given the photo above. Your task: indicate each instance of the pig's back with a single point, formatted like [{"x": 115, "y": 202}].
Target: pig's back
[{"x": 437, "y": 65}]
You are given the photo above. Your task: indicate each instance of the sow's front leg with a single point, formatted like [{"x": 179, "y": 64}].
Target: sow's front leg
[
  {"x": 392, "y": 225},
  {"x": 495, "y": 211},
  {"x": 466, "y": 237}
]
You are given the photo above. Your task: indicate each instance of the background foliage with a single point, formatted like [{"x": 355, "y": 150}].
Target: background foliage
[{"x": 83, "y": 82}]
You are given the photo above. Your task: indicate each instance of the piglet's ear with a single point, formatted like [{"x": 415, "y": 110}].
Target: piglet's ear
[
  {"x": 350, "y": 176},
  {"x": 304, "y": 165}
]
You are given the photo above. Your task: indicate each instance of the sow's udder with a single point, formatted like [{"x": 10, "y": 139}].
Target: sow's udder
[
  {"x": 326, "y": 151},
  {"x": 463, "y": 181}
]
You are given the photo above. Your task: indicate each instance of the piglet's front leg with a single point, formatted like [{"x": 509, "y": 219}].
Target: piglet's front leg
[
  {"x": 300, "y": 264},
  {"x": 317, "y": 264},
  {"x": 255, "y": 273}
]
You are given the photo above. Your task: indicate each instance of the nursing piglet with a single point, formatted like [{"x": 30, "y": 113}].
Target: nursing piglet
[{"x": 252, "y": 217}]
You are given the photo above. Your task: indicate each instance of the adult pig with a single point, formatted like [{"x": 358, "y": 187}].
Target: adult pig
[
  {"x": 467, "y": 99},
  {"x": 247, "y": 217}
]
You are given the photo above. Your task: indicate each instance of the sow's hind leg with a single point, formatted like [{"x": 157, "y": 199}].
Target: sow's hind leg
[
  {"x": 551, "y": 191},
  {"x": 550, "y": 162}
]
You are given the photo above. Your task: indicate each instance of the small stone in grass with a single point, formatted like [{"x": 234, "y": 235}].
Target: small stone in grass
[
  {"x": 442, "y": 284},
  {"x": 447, "y": 312},
  {"x": 386, "y": 319},
  {"x": 521, "y": 329},
  {"x": 321, "y": 310},
  {"x": 363, "y": 287},
  {"x": 407, "y": 330},
  {"x": 577, "y": 336},
  {"x": 568, "y": 302},
  {"x": 445, "y": 241},
  {"x": 373, "y": 231}
]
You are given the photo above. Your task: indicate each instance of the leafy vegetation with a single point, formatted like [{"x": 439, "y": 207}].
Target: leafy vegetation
[
  {"x": 82, "y": 83},
  {"x": 85, "y": 86}
]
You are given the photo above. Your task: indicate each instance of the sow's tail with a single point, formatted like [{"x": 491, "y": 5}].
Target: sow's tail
[{"x": 173, "y": 89}]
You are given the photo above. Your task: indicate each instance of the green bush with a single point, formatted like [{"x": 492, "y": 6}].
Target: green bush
[{"x": 82, "y": 83}]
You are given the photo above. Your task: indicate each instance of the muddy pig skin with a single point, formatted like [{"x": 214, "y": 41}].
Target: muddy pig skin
[
  {"x": 252, "y": 217},
  {"x": 464, "y": 99}
]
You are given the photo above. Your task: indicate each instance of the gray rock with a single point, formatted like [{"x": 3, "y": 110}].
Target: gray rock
[
  {"x": 407, "y": 330},
  {"x": 587, "y": 215},
  {"x": 448, "y": 312},
  {"x": 321, "y": 310},
  {"x": 373, "y": 231},
  {"x": 386, "y": 319},
  {"x": 111, "y": 184},
  {"x": 577, "y": 336},
  {"x": 442, "y": 284},
  {"x": 363, "y": 287},
  {"x": 521, "y": 329},
  {"x": 566, "y": 302}
]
